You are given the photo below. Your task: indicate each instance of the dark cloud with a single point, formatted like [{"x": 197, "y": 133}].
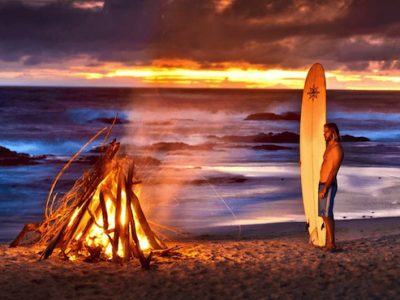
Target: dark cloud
[
  {"x": 60, "y": 30},
  {"x": 279, "y": 33},
  {"x": 273, "y": 33},
  {"x": 361, "y": 50},
  {"x": 371, "y": 17},
  {"x": 357, "y": 66}
]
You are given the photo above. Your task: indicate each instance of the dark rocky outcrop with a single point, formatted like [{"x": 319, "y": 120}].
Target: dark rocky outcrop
[
  {"x": 12, "y": 158},
  {"x": 270, "y": 147},
  {"x": 288, "y": 116},
  {"x": 350, "y": 138},
  {"x": 166, "y": 146},
  {"x": 164, "y": 123},
  {"x": 146, "y": 160},
  {"x": 108, "y": 121},
  {"x": 283, "y": 137}
]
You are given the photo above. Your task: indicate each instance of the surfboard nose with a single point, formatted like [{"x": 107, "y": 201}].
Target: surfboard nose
[{"x": 318, "y": 65}]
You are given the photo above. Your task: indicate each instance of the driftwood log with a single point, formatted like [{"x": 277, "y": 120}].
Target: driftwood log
[
  {"x": 27, "y": 228},
  {"x": 145, "y": 262}
]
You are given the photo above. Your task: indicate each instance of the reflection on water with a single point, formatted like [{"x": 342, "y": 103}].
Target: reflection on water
[{"x": 262, "y": 220}]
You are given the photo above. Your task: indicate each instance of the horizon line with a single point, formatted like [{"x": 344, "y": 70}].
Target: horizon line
[{"x": 193, "y": 88}]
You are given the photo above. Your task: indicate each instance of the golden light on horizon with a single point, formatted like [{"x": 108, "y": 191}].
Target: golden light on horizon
[
  {"x": 190, "y": 74},
  {"x": 384, "y": 78},
  {"x": 373, "y": 88},
  {"x": 251, "y": 77},
  {"x": 217, "y": 78}
]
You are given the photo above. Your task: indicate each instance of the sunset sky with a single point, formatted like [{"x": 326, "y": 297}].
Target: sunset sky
[{"x": 199, "y": 43}]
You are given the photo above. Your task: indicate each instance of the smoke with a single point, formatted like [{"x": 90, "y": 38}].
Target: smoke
[{"x": 174, "y": 184}]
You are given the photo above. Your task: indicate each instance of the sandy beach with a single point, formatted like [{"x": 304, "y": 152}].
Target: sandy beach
[{"x": 272, "y": 261}]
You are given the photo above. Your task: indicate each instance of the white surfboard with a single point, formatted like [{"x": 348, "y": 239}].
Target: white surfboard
[{"x": 312, "y": 148}]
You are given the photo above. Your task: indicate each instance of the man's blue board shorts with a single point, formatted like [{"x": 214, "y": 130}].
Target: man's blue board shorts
[{"x": 325, "y": 205}]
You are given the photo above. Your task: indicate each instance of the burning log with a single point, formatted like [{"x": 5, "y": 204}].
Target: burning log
[
  {"x": 103, "y": 210},
  {"x": 100, "y": 217},
  {"x": 117, "y": 218}
]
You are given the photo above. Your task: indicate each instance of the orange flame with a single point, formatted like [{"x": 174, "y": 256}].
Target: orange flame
[{"x": 97, "y": 234}]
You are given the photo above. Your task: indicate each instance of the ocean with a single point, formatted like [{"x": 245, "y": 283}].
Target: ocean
[{"x": 218, "y": 157}]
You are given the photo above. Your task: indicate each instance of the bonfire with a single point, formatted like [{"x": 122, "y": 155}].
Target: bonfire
[{"x": 100, "y": 217}]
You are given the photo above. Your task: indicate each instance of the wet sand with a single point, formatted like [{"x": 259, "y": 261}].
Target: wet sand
[{"x": 270, "y": 261}]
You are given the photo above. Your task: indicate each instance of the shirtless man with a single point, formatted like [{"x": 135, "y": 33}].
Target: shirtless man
[{"x": 333, "y": 158}]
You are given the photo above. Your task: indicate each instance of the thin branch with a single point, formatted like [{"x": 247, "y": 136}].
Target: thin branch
[
  {"x": 108, "y": 133},
  {"x": 65, "y": 167}
]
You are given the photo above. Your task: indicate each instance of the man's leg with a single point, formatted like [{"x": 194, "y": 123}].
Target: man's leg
[
  {"x": 328, "y": 219},
  {"x": 330, "y": 230},
  {"x": 328, "y": 234}
]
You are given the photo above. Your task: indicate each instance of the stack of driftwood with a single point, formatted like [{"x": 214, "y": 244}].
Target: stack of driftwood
[{"x": 100, "y": 212}]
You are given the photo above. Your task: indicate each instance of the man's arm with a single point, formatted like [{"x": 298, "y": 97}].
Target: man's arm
[{"x": 337, "y": 157}]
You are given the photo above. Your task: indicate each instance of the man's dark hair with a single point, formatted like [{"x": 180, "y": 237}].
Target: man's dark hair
[{"x": 335, "y": 131}]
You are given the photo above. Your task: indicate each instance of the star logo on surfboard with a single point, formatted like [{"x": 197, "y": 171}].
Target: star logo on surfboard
[{"x": 313, "y": 92}]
